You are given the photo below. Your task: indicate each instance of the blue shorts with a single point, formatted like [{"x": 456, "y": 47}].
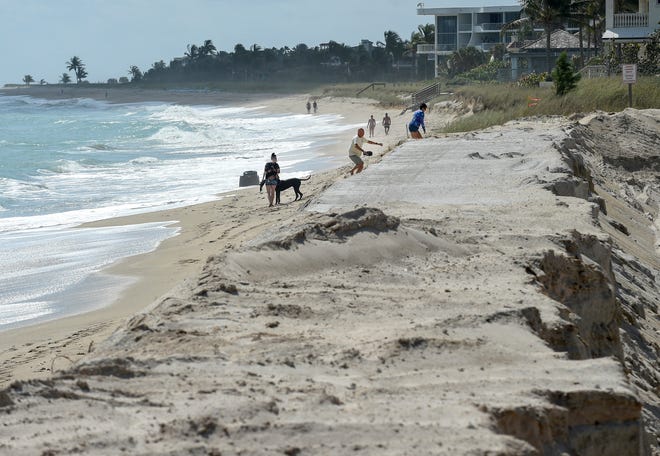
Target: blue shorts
[
  {"x": 413, "y": 128},
  {"x": 271, "y": 181}
]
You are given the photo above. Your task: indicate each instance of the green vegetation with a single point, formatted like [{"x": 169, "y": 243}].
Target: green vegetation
[
  {"x": 394, "y": 94},
  {"x": 504, "y": 102},
  {"x": 78, "y": 67},
  {"x": 464, "y": 60},
  {"x": 648, "y": 61},
  {"x": 546, "y": 14},
  {"x": 564, "y": 75}
]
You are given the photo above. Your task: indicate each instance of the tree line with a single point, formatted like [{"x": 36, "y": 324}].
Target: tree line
[{"x": 393, "y": 58}]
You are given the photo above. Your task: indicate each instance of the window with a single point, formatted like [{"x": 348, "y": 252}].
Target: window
[
  {"x": 447, "y": 24},
  {"x": 446, "y": 32}
]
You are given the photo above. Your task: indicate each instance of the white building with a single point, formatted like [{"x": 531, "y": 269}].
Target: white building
[
  {"x": 631, "y": 27},
  {"x": 461, "y": 27}
]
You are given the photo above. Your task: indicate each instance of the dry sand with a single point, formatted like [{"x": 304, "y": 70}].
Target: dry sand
[
  {"x": 34, "y": 351},
  {"x": 488, "y": 293}
]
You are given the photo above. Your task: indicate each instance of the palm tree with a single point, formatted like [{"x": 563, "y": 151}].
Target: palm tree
[
  {"x": 65, "y": 78},
  {"x": 136, "y": 74},
  {"x": 425, "y": 34},
  {"x": 27, "y": 79},
  {"x": 464, "y": 60},
  {"x": 207, "y": 49},
  {"x": 548, "y": 14},
  {"x": 594, "y": 12},
  {"x": 81, "y": 73},
  {"x": 159, "y": 66},
  {"x": 192, "y": 53},
  {"x": 78, "y": 67},
  {"x": 394, "y": 46}
]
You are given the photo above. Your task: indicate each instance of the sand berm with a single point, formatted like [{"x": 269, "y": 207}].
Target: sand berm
[{"x": 493, "y": 292}]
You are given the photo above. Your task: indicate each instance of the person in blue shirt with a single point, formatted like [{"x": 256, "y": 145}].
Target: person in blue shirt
[{"x": 417, "y": 122}]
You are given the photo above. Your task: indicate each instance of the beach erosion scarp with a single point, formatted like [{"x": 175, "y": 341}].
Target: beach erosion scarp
[{"x": 494, "y": 291}]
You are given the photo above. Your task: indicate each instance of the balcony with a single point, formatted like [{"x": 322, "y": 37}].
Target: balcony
[
  {"x": 432, "y": 49},
  {"x": 489, "y": 27},
  {"x": 487, "y": 47},
  {"x": 631, "y": 20},
  {"x": 426, "y": 48}
]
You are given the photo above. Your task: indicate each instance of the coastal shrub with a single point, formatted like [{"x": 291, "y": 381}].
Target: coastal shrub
[
  {"x": 532, "y": 79},
  {"x": 464, "y": 60},
  {"x": 564, "y": 75},
  {"x": 485, "y": 72},
  {"x": 646, "y": 56},
  {"x": 649, "y": 63}
]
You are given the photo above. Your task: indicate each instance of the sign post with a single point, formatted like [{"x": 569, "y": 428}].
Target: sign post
[{"x": 629, "y": 72}]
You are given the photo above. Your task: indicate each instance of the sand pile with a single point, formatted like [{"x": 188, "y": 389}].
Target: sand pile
[{"x": 469, "y": 294}]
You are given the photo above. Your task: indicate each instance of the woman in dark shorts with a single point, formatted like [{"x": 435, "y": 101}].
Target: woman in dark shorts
[{"x": 270, "y": 177}]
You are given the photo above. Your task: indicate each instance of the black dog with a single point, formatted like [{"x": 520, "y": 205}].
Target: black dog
[{"x": 287, "y": 183}]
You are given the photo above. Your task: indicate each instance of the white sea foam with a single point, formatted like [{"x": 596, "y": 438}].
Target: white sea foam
[{"x": 80, "y": 160}]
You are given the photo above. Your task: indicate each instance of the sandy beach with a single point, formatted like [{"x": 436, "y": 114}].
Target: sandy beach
[
  {"x": 34, "y": 351},
  {"x": 494, "y": 292}
]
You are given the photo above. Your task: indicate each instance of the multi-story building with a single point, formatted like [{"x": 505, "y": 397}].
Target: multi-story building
[
  {"x": 631, "y": 26},
  {"x": 461, "y": 27}
]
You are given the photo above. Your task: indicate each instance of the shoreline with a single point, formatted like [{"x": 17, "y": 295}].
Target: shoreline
[
  {"x": 30, "y": 351},
  {"x": 130, "y": 95},
  {"x": 493, "y": 301}
]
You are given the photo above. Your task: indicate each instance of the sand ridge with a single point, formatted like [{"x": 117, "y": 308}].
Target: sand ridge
[
  {"x": 34, "y": 352},
  {"x": 476, "y": 311}
]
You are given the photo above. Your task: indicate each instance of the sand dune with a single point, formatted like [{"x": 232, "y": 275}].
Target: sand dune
[{"x": 486, "y": 293}]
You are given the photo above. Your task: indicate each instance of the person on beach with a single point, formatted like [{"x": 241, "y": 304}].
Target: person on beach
[
  {"x": 356, "y": 150},
  {"x": 270, "y": 177},
  {"x": 309, "y": 107},
  {"x": 387, "y": 121},
  {"x": 315, "y": 106},
  {"x": 417, "y": 122},
  {"x": 371, "y": 124}
]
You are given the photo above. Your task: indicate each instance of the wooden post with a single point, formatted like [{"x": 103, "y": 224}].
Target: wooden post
[
  {"x": 630, "y": 95},
  {"x": 629, "y": 72}
]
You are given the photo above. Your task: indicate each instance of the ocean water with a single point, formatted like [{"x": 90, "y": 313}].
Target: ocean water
[{"x": 65, "y": 162}]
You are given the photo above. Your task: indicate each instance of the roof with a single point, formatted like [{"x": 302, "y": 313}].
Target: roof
[
  {"x": 559, "y": 39},
  {"x": 633, "y": 34},
  {"x": 453, "y": 11}
]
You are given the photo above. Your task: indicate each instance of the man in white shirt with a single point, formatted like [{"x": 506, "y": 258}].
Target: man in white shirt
[{"x": 356, "y": 150}]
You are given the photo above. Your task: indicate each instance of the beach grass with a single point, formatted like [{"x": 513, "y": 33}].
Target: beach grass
[
  {"x": 496, "y": 104},
  {"x": 489, "y": 103}
]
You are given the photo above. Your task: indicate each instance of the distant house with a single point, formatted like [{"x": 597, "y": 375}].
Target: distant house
[
  {"x": 479, "y": 27},
  {"x": 626, "y": 27},
  {"x": 367, "y": 45},
  {"x": 460, "y": 27},
  {"x": 531, "y": 56}
]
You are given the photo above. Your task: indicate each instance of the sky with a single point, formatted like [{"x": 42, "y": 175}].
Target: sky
[{"x": 38, "y": 37}]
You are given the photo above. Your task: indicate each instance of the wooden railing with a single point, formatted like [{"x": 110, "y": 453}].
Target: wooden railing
[
  {"x": 594, "y": 71},
  {"x": 371, "y": 86},
  {"x": 631, "y": 20},
  {"x": 426, "y": 94}
]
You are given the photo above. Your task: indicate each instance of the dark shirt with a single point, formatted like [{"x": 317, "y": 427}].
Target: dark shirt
[{"x": 271, "y": 170}]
